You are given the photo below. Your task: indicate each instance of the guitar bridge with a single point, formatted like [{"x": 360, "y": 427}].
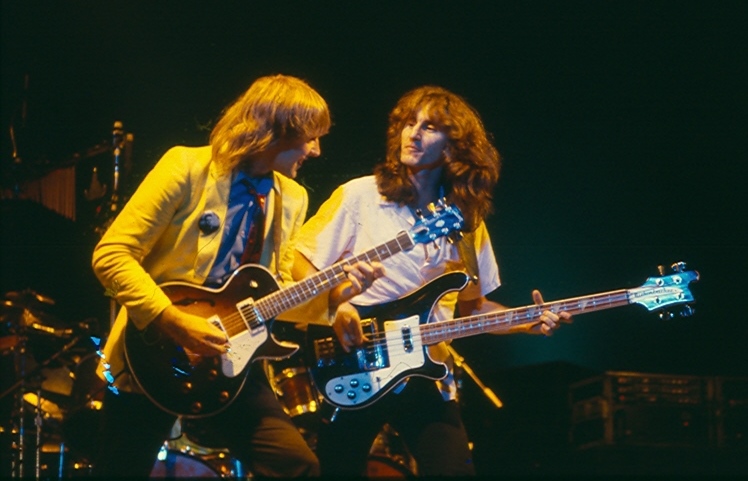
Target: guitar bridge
[{"x": 372, "y": 356}]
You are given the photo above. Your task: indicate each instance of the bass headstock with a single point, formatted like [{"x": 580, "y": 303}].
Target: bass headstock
[
  {"x": 667, "y": 290},
  {"x": 441, "y": 220}
]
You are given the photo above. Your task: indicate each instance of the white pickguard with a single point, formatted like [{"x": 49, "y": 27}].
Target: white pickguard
[
  {"x": 243, "y": 345},
  {"x": 354, "y": 389}
]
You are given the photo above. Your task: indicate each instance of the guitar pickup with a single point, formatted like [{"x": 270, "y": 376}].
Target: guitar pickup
[
  {"x": 407, "y": 339},
  {"x": 250, "y": 315}
]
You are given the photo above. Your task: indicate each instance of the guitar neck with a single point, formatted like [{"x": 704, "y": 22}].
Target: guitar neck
[
  {"x": 324, "y": 280},
  {"x": 501, "y": 320}
]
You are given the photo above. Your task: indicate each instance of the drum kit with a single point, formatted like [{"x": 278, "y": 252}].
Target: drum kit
[{"x": 47, "y": 379}]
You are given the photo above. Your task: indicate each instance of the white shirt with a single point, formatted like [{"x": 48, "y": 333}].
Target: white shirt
[{"x": 357, "y": 218}]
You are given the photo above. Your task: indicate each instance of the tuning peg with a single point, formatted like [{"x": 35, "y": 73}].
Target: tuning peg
[
  {"x": 666, "y": 315},
  {"x": 687, "y": 311},
  {"x": 661, "y": 270},
  {"x": 431, "y": 208},
  {"x": 455, "y": 236},
  {"x": 419, "y": 213},
  {"x": 679, "y": 266}
]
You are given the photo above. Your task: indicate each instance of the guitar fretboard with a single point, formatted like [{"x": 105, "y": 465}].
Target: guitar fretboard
[
  {"x": 284, "y": 299},
  {"x": 495, "y": 321}
]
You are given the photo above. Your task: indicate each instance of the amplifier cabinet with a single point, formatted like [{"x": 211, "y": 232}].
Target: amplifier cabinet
[
  {"x": 731, "y": 412},
  {"x": 639, "y": 409}
]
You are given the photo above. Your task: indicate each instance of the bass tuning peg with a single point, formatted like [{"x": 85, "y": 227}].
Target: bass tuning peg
[
  {"x": 455, "y": 236},
  {"x": 666, "y": 315},
  {"x": 687, "y": 311},
  {"x": 678, "y": 267}
]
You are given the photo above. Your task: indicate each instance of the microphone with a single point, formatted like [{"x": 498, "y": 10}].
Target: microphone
[
  {"x": 117, "y": 144},
  {"x": 118, "y": 134}
]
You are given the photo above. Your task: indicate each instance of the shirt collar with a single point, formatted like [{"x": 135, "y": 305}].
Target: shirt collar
[{"x": 262, "y": 184}]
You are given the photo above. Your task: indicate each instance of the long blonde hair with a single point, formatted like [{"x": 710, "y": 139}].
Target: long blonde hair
[
  {"x": 473, "y": 165},
  {"x": 277, "y": 107}
]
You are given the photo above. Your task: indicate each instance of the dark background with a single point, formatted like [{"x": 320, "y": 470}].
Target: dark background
[{"x": 622, "y": 127}]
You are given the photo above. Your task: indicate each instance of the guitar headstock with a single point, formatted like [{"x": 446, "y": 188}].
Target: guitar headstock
[
  {"x": 440, "y": 220},
  {"x": 667, "y": 290}
]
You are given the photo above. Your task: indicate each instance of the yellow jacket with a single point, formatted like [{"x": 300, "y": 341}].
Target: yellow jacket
[{"x": 156, "y": 238}]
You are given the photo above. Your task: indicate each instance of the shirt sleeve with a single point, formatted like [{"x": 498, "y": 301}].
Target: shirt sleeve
[
  {"x": 328, "y": 235},
  {"x": 488, "y": 268}
]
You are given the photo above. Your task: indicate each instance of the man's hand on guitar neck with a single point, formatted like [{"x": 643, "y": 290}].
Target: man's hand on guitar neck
[{"x": 192, "y": 332}]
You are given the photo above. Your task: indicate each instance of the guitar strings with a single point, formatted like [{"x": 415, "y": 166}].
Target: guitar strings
[
  {"x": 267, "y": 308},
  {"x": 434, "y": 332}
]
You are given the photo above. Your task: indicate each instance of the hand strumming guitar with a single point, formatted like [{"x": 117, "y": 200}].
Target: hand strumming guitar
[{"x": 192, "y": 332}]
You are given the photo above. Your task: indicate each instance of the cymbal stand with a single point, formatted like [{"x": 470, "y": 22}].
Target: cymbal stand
[
  {"x": 22, "y": 376},
  {"x": 460, "y": 363},
  {"x": 38, "y": 424},
  {"x": 18, "y": 468},
  {"x": 17, "y": 464}
]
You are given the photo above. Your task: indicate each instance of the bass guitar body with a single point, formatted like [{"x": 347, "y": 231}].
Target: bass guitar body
[{"x": 392, "y": 353}]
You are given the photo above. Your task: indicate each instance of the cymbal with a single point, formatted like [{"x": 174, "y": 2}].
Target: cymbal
[
  {"x": 49, "y": 409},
  {"x": 58, "y": 380},
  {"x": 30, "y": 316},
  {"x": 26, "y": 297}
]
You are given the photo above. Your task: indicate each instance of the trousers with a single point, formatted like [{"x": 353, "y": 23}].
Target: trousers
[
  {"x": 430, "y": 427},
  {"x": 254, "y": 428}
]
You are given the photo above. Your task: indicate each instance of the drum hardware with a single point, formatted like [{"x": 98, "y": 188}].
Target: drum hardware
[
  {"x": 40, "y": 391},
  {"x": 183, "y": 455},
  {"x": 37, "y": 371},
  {"x": 44, "y": 411},
  {"x": 293, "y": 386}
]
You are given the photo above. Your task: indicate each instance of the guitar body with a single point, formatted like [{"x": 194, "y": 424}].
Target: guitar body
[
  {"x": 399, "y": 335},
  {"x": 193, "y": 386},
  {"x": 184, "y": 384},
  {"x": 393, "y": 353}
]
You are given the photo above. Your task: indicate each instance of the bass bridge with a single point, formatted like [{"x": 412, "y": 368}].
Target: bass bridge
[
  {"x": 370, "y": 356},
  {"x": 356, "y": 378}
]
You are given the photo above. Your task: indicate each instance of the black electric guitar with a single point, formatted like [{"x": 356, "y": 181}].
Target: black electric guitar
[
  {"x": 399, "y": 335},
  {"x": 183, "y": 383}
]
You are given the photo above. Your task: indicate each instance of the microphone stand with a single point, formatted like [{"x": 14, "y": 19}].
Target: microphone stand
[{"x": 460, "y": 362}]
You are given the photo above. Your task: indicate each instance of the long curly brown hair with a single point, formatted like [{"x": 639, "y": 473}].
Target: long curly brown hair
[
  {"x": 472, "y": 165},
  {"x": 276, "y": 107}
]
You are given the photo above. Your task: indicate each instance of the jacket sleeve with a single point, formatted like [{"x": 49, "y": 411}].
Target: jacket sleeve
[{"x": 118, "y": 256}]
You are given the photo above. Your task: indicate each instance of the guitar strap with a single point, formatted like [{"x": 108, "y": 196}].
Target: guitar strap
[
  {"x": 466, "y": 248},
  {"x": 277, "y": 230}
]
